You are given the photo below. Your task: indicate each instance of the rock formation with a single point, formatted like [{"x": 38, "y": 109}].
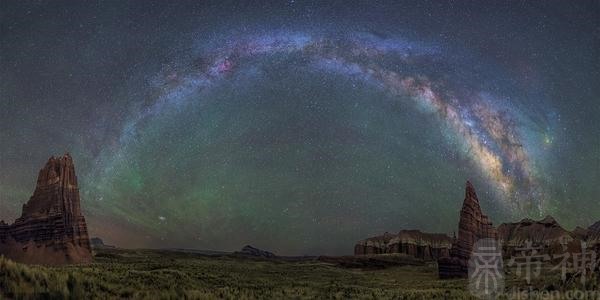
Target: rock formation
[
  {"x": 255, "y": 252},
  {"x": 51, "y": 229},
  {"x": 595, "y": 227},
  {"x": 98, "y": 243},
  {"x": 593, "y": 237},
  {"x": 593, "y": 233},
  {"x": 473, "y": 226},
  {"x": 425, "y": 246},
  {"x": 546, "y": 234}
]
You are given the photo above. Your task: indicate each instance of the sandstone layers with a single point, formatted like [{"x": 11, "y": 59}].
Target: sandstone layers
[
  {"x": 593, "y": 236},
  {"x": 51, "y": 229},
  {"x": 593, "y": 233},
  {"x": 546, "y": 235},
  {"x": 425, "y": 246},
  {"x": 595, "y": 227},
  {"x": 473, "y": 226},
  {"x": 453, "y": 254}
]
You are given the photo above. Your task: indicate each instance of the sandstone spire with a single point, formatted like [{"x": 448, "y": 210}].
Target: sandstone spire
[
  {"x": 51, "y": 229},
  {"x": 473, "y": 226},
  {"x": 56, "y": 191}
]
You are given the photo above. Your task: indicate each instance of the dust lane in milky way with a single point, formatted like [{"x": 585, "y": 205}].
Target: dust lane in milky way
[
  {"x": 301, "y": 127},
  {"x": 491, "y": 136}
]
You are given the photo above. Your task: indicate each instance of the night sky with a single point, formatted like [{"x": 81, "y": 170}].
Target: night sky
[{"x": 302, "y": 127}]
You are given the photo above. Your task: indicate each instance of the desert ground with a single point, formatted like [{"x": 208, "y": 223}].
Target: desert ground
[{"x": 161, "y": 274}]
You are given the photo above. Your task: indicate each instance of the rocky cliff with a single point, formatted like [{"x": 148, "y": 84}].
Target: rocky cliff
[
  {"x": 593, "y": 233},
  {"x": 426, "y": 246},
  {"x": 546, "y": 234},
  {"x": 51, "y": 229},
  {"x": 592, "y": 236},
  {"x": 98, "y": 243},
  {"x": 595, "y": 227},
  {"x": 473, "y": 226},
  {"x": 254, "y": 252}
]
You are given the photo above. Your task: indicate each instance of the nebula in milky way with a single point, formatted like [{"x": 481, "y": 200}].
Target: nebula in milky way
[
  {"x": 489, "y": 134},
  {"x": 300, "y": 128},
  {"x": 477, "y": 128}
]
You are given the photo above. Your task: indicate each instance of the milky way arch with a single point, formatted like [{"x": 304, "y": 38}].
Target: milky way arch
[{"x": 490, "y": 135}]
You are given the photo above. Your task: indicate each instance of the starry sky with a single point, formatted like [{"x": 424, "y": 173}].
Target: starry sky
[{"x": 302, "y": 127}]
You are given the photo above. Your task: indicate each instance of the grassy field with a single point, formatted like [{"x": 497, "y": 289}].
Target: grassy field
[{"x": 174, "y": 275}]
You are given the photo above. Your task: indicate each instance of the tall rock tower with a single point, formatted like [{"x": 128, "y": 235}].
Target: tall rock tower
[
  {"x": 51, "y": 229},
  {"x": 473, "y": 226}
]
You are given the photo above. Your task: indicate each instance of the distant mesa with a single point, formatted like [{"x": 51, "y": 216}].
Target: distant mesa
[
  {"x": 414, "y": 243},
  {"x": 545, "y": 233},
  {"x": 254, "y": 252},
  {"x": 51, "y": 229},
  {"x": 548, "y": 235},
  {"x": 98, "y": 243}
]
